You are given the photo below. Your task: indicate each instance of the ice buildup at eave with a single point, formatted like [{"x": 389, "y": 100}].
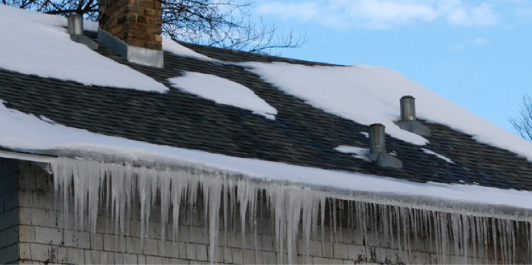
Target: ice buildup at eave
[
  {"x": 368, "y": 95},
  {"x": 296, "y": 213}
]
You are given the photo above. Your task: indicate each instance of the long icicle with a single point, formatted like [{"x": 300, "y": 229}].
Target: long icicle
[{"x": 92, "y": 184}]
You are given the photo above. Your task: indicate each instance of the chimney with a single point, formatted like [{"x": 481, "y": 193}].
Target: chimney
[
  {"x": 408, "y": 120},
  {"x": 132, "y": 28},
  {"x": 75, "y": 29},
  {"x": 377, "y": 148}
]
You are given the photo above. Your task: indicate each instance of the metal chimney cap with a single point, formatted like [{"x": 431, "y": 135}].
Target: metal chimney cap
[
  {"x": 408, "y": 120},
  {"x": 377, "y": 148},
  {"x": 408, "y": 108},
  {"x": 75, "y": 25},
  {"x": 377, "y": 138}
]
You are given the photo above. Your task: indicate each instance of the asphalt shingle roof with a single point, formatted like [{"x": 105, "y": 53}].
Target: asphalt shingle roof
[{"x": 300, "y": 134}]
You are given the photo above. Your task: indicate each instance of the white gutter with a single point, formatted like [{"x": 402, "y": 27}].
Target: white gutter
[{"x": 26, "y": 156}]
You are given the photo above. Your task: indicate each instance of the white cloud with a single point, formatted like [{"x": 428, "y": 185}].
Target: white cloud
[
  {"x": 384, "y": 13},
  {"x": 469, "y": 43},
  {"x": 479, "y": 15},
  {"x": 300, "y": 11}
]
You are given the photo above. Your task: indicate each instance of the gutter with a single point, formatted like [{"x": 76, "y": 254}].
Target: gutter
[
  {"x": 42, "y": 161},
  {"x": 384, "y": 198}
]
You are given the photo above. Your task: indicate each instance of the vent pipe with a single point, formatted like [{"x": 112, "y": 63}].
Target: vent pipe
[
  {"x": 75, "y": 25},
  {"x": 75, "y": 29},
  {"x": 408, "y": 108},
  {"x": 377, "y": 148},
  {"x": 377, "y": 140},
  {"x": 408, "y": 120}
]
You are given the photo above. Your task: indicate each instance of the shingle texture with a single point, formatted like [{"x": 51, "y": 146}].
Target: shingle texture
[{"x": 300, "y": 134}]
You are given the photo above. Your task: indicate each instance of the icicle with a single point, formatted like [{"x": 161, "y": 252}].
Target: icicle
[
  {"x": 164, "y": 186},
  {"x": 215, "y": 191},
  {"x": 88, "y": 185}
]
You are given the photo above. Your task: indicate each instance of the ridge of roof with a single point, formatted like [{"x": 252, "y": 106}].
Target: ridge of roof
[{"x": 230, "y": 55}]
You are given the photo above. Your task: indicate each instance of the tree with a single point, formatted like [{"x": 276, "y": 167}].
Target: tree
[
  {"x": 523, "y": 122},
  {"x": 219, "y": 23}
]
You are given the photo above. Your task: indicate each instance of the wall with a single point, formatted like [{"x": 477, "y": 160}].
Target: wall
[
  {"x": 137, "y": 23},
  {"x": 47, "y": 236},
  {"x": 9, "y": 211}
]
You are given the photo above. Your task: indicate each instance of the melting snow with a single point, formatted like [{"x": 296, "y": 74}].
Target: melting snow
[
  {"x": 35, "y": 43},
  {"x": 371, "y": 95},
  {"x": 427, "y": 151},
  {"x": 223, "y": 91},
  {"x": 361, "y": 153}
]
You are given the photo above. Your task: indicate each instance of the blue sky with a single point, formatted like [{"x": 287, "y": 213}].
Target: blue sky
[{"x": 477, "y": 54}]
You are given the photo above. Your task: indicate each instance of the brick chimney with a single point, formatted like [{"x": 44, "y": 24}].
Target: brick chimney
[{"x": 132, "y": 28}]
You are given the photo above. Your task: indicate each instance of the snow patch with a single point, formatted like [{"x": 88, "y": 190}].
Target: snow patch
[
  {"x": 369, "y": 95},
  {"x": 360, "y": 153},
  {"x": 361, "y": 94},
  {"x": 427, "y": 151},
  {"x": 170, "y": 45},
  {"x": 89, "y": 25},
  {"x": 223, "y": 91},
  {"x": 38, "y": 44}
]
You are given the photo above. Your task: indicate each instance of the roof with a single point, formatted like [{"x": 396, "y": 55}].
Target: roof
[{"x": 301, "y": 134}]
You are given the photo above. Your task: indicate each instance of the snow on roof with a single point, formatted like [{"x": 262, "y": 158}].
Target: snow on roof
[
  {"x": 171, "y": 46},
  {"x": 223, "y": 91},
  {"x": 442, "y": 157},
  {"x": 369, "y": 95},
  {"x": 35, "y": 43},
  {"x": 18, "y": 134},
  {"x": 357, "y": 152}
]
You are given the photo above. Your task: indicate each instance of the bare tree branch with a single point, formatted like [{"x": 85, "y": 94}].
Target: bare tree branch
[
  {"x": 218, "y": 23},
  {"x": 523, "y": 122}
]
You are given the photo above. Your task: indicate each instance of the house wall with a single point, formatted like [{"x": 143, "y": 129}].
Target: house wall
[
  {"x": 46, "y": 236},
  {"x": 9, "y": 211}
]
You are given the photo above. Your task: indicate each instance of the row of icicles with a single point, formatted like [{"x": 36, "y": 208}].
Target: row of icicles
[{"x": 292, "y": 211}]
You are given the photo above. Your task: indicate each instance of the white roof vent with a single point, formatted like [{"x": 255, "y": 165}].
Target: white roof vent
[
  {"x": 408, "y": 120},
  {"x": 377, "y": 148}
]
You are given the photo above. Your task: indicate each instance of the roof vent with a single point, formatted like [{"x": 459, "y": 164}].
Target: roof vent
[
  {"x": 377, "y": 148},
  {"x": 75, "y": 25},
  {"x": 408, "y": 120},
  {"x": 75, "y": 29}
]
